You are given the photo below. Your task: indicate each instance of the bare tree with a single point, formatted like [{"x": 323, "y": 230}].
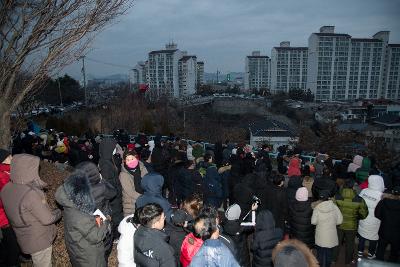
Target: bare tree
[{"x": 39, "y": 38}]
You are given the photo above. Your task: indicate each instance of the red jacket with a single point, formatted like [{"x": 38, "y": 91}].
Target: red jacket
[
  {"x": 294, "y": 167},
  {"x": 190, "y": 246},
  {"x": 4, "y": 179}
]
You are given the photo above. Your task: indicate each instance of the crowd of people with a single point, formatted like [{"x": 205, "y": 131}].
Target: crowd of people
[{"x": 167, "y": 202}]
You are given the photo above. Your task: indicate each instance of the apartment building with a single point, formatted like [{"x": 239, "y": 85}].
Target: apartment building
[
  {"x": 288, "y": 67},
  {"x": 257, "y": 72},
  {"x": 341, "y": 68},
  {"x": 187, "y": 68}
]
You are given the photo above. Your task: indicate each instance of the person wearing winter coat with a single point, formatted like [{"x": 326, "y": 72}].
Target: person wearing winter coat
[
  {"x": 213, "y": 252},
  {"x": 225, "y": 173},
  {"x": 326, "y": 216},
  {"x": 109, "y": 172},
  {"x": 292, "y": 252},
  {"x": 213, "y": 194},
  {"x": 276, "y": 201},
  {"x": 388, "y": 211},
  {"x": 300, "y": 213},
  {"x": 294, "y": 167},
  {"x": 84, "y": 233},
  {"x": 150, "y": 242},
  {"x": 266, "y": 236},
  {"x": 102, "y": 192},
  {"x": 237, "y": 230},
  {"x": 177, "y": 231},
  {"x": 362, "y": 173},
  {"x": 308, "y": 180},
  {"x": 152, "y": 184},
  {"x": 125, "y": 247},
  {"x": 356, "y": 164},
  {"x": 369, "y": 227},
  {"x": 9, "y": 249},
  {"x": 353, "y": 209},
  {"x": 188, "y": 182},
  {"x": 294, "y": 183},
  {"x": 27, "y": 210},
  {"x": 130, "y": 177}
]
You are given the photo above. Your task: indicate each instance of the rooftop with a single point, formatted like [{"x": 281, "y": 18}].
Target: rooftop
[
  {"x": 332, "y": 34},
  {"x": 164, "y": 51},
  {"x": 257, "y": 56},
  {"x": 271, "y": 128},
  {"x": 186, "y": 58},
  {"x": 290, "y": 48},
  {"x": 390, "y": 120}
]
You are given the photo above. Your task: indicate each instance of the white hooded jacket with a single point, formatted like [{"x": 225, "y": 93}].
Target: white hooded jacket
[
  {"x": 326, "y": 216},
  {"x": 369, "y": 227},
  {"x": 125, "y": 243}
]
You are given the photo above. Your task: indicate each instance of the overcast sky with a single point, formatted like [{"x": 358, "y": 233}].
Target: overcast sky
[{"x": 223, "y": 32}]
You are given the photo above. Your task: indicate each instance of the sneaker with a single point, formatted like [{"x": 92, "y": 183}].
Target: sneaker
[
  {"x": 371, "y": 257},
  {"x": 360, "y": 254}
]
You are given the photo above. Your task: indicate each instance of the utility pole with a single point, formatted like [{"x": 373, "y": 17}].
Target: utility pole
[
  {"x": 217, "y": 76},
  {"x": 59, "y": 91},
  {"x": 84, "y": 79}
]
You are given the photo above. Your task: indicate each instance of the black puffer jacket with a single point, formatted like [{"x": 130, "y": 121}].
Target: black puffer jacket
[
  {"x": 151, "y": 248},
  {"x": 300, "y": 213},
  {"x": 176, "y": 236},
  {"x": 276, "y": 202},
  {"x": 235, "y": 232},
  {"x": 266, "y": 236},
  {"x": 388, "y": 211},
  {"x": 83, "y": 238},
  {"x": 110, "y": 173}
]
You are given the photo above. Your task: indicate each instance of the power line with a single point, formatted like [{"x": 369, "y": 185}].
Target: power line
[{"x": 108, "y": 63}]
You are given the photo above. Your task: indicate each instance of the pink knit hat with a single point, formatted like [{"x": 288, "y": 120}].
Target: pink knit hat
[{"x": 302, "y": 194}]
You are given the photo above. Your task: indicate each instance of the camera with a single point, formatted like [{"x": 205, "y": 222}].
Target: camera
[{"x": 255, "y": 199}]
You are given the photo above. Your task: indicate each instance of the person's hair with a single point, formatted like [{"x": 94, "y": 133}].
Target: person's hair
[
  {"x": 192, "y": 205},
  {"x": 349, "y": 183},
  {"x": 149, "y": 214},
  {"x": 135, "y": 218},
  {"x": 207, "y": 157},
  {"x": 306, "y": 171},
  {"x": 277, "y": 179},
  {"x": 293, "y": 252},
  {"x": 129, "y": 153},
  {"x": 208, "y": 216}
]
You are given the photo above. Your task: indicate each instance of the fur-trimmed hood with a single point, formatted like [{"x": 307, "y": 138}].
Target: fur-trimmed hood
[
  {"x": 390, "y": 196},
  {"x": 293, "y": 252},
  {"x": 224, "y": 169},
  {"x": 75, "y": 193}
]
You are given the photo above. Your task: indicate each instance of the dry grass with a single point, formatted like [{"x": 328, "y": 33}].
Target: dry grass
[{"x": 54, "y": 177}]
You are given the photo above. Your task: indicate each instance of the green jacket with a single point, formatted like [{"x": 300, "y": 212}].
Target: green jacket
[
  {"x": 363, "y": 172},
  {"x": 353, "y": 208}
]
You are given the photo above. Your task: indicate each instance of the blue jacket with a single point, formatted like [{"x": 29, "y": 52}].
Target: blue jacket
[
  {"x": 152, "y": 184},
  {"x": 212, "y": 182},
  {"x": 214, "y": 253}
]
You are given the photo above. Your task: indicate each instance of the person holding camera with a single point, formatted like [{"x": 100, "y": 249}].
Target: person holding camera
[{"x": 238, "y": 229}]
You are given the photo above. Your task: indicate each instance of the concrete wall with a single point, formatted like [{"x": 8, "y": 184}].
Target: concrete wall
[{"x": 237, "y": 106}]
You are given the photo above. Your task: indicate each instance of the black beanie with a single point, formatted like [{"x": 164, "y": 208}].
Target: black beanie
[{"x": 3, "y": 154}]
